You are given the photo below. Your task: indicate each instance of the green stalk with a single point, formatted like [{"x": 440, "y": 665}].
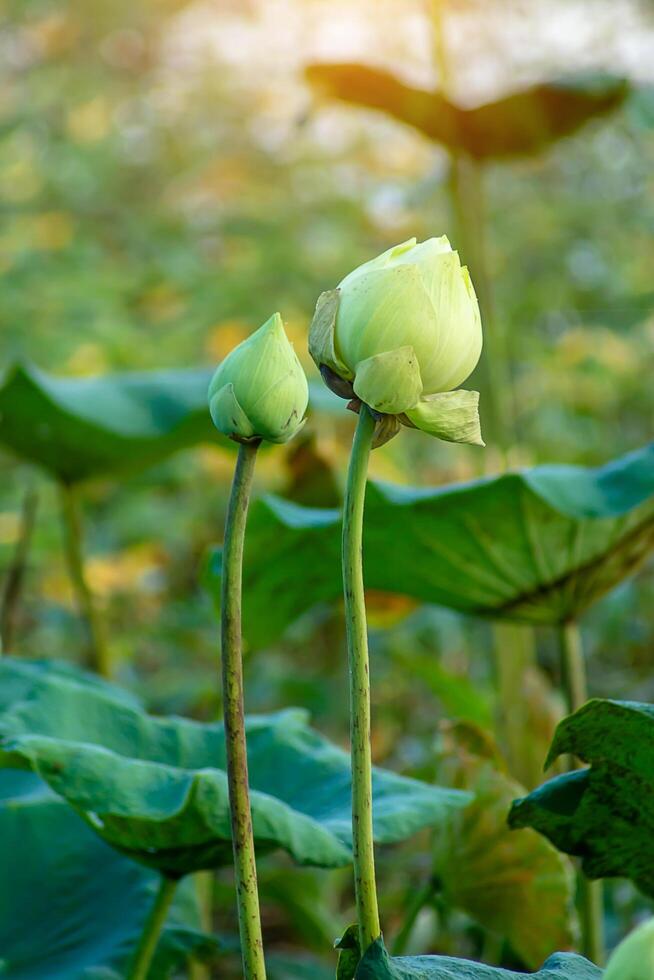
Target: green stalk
[
  {"x": 420, "y": 899},
  {"x": 465, "y": 186},
  {"x": 573, "y": 672},
  {"x": 13, "y": 583},
  {"x": 142, "y": 959},
  {"x": 512, "y": 649},
  {"x": 513, "y": 655},
  {"x": 203, "y": 881},
  {"x": 357, "y": 645},
  {"x": 98, "y": 652},
  {"x": 247, "y": 895}
]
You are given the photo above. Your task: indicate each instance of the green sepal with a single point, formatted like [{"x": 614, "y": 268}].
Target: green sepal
[
  {"x": 450, "y": 415},
  {"x": 386, "y": 428},
  {"x": 349, "y": 953},
  {"x": 322, "y": 333},
  {"x": 389, "y": 382},
  {"x": 228, "y": 416}
]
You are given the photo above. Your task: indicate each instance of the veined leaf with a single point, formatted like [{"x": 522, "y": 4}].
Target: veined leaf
[
  {"x": 521, "y": 124},
  {"x": 80, "y": 428},
  {"x": 77, "y": 428},
  {"x": 603, "y": 814},
  {"x": 378, "y": 965},
  {"x": 156, "y": 788},
  {"x": 71, "y": 908},
  {"x": 536, "y": 546}
]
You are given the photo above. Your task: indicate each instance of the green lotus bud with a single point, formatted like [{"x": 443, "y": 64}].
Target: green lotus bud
[
  {"x": 633, "y": 959},
  {"x": 260, "y": 390},
  {"x": 399, "y": 333}
]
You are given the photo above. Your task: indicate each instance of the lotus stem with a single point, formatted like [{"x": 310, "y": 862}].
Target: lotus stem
[
  {"x": 247, "y": 895},
  {"x": 13, "y": 583},
  {"x": 357, "y": 644},
  {"x": 98, "y": 651},
  {"x": 590, "y": 893},
  {"x": 144, "y": 952}
]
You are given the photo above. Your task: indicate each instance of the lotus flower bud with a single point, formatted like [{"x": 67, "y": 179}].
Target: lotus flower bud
[
  {"x": 633, "y": 959},
  {"x": 260, "y": 390},
  {"x": 400, "y": 333}
]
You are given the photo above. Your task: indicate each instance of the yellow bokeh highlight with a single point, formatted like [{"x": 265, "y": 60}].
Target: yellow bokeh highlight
[
  {"x": 89, "y": 122},
  {"x": 87, "y": 359},
  {"x": 10, "y": 522},
  {"x": 217, "y": 463},
  {"x": 163, "y": 302},
  {"x": 20, "y": 181},
  {"x": 600, "y": 345},
  {"x": 52, "y": 231},
  {"x": 124, "y": 571},
  {"x": 224, "y": 336},
  {"x": 55, "y": 34}
]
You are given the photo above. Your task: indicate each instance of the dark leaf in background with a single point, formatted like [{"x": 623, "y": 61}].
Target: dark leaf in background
[
  {"x": 156, "y": 788},
  {"x": 537, "y": 546},
  {"x": 522, "y": 124},
  {"x": 604, "y": 814},
  {"x": 310, "y": 477}
]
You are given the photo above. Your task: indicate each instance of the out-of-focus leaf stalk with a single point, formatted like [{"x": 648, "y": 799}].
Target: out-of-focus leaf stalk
[
  {"x": 15, "y": 575},
  {"x": 513, "y": 646},
  {"x": 98, "y": 651},
  {"x": 144, "y": 952},
  {"x": 589, "y": 893}
]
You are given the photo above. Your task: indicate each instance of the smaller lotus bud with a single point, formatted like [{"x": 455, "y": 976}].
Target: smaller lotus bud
[
  {"x": 260, "y": 390},
  {"x": 633, "y": 959}
]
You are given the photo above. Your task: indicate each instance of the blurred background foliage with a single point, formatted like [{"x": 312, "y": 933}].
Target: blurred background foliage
[{"x": 168, "y": 178}]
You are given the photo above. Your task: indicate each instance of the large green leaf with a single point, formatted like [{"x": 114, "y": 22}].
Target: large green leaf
[
  {"x": 522, "y": 124},
  {"x": 78, "y": 428},
  {"x": 156, "y": 788},
  {"x": 515, "y": 885},
  {"x": 71, "y": 907},
  {"x": 378, "y": 965},
  {"x": 537, "y": 546},
  {"x": 604, "y": 814}
]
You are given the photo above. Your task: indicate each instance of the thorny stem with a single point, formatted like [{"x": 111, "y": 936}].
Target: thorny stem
[
  {"x": 590, "y": 901},
  {"x": 357, "y": 643},
  {"x": 13, "y": 583},
  {"x": 142, "y": 959},
  {"x": 98, "y": 652},
  {"x": 245, "y": 869}
]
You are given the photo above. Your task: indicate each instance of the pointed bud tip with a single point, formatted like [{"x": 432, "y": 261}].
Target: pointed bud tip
[{"x": 273, "y": 325}]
